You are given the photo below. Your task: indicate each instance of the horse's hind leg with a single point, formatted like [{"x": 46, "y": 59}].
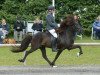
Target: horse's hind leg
[
  {"x": 26, "y": 54},
  {"x": 76, "y": 46},
  {"x": 56, "y": 57},
  {"x": 43, "y": 50}
]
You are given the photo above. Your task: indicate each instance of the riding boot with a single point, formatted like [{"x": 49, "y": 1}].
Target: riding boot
[{"x": 54, "y": 45}]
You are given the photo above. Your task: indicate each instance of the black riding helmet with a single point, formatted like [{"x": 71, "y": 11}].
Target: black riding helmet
[{"x": 51, "y": 7}]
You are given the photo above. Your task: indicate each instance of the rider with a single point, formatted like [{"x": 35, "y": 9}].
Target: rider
[{"x": 51, "y": 26}]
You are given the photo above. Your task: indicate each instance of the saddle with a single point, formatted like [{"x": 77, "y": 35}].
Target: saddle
[{"x": 50, "y": 35}]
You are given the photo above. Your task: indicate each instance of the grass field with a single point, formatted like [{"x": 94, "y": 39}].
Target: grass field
[
  {"x": 91, "y": 56},
  {"x": 86, "y": 39}
]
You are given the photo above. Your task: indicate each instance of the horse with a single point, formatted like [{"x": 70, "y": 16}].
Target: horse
[{"x": 65, "y": 40}]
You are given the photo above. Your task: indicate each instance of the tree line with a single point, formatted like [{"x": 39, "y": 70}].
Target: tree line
[{"x": 30, "y": 9}]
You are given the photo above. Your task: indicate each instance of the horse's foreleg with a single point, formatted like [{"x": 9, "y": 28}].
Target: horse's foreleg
[
  {"x": 26, "y": 54},
  {"x": 56, "y": 57},
  {"x": 76, "y": 46},
  {"x": 43, "y": 50}
]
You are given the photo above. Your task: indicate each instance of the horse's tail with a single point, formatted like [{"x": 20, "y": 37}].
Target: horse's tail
[{"x": 24, "y": 44}]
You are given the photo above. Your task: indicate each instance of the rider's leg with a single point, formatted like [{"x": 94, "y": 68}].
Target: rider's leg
[
  {"x": 54, "y": 45},
  {"x": 54, "y": 40}
]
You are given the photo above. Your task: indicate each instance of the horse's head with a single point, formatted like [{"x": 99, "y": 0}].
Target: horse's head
[{"x": 70, "y": 22}]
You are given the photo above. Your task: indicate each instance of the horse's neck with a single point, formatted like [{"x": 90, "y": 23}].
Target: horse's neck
[
  {"x": 67, "y": 34},
  {"x": 70, "y": 32}
]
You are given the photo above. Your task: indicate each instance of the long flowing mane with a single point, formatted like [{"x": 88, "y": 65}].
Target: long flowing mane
[
  {"x": 69, "y": 21},
  {"x": 66, "y": 32}
]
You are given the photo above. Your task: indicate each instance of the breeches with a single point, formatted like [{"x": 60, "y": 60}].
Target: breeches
[{"x": 53, "y": 32}]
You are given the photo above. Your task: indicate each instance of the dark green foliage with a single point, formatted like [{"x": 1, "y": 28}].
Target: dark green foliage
[
  {"x": 28, "y": 10},
  {"x": 87, "y": 10}
]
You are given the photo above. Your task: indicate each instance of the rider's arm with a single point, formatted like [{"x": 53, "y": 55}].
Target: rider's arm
[{"x": 51, "y": 22}]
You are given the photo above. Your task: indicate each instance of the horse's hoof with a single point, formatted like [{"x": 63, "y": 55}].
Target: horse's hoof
[
  {"x": 54, "y": 66},
  {"x": 20, "y": 60},
  {"x": 78, "y": 54}
]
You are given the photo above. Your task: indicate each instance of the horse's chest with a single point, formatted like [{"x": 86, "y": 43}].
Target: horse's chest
[{"x": 65, "y": 40}]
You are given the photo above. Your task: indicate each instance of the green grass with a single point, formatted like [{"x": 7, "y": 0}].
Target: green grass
[
  {"x": 86, "y": 39},
  {"x": 91, "y": 56}
]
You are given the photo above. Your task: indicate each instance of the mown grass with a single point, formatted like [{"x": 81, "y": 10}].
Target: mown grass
[
  {"x": 91, "y": 56},
  {"x": 86, "y": 39}
]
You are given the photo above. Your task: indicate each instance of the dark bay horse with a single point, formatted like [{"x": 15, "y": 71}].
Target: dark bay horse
[{"x": 65, "y": 40}]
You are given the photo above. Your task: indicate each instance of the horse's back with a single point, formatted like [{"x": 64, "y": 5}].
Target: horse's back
[{"x": 42, "y": 38}]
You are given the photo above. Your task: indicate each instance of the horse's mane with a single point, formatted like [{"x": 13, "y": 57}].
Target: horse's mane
[{"x": 69, "y": 21}]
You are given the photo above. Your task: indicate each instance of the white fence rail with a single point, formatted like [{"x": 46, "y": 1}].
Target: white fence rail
[
  {"x": 88, "y": 44},
  {"x": 81, "y": 44},
  {"x": 5, "y": 45}
]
